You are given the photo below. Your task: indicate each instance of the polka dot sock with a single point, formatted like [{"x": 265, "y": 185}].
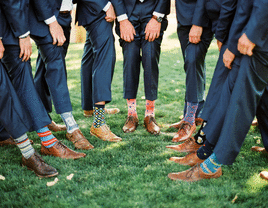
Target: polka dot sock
[
  {"x": 131, "y": 103},
  {"x": 99, "y": 118},
  {"x": 149, "y": 108}
]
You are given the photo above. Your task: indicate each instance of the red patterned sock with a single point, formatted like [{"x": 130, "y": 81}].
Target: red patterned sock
[
  {"x": 149, "y": 108},
  {"x": 131, "y": 103}
]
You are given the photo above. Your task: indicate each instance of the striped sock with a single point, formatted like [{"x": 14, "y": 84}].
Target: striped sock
[
  {"x": 131, "y": 104},
  {"x": 69, "y": 122},
  {"x": 99, "y": 118},
  {"x": 190, "y": 112},
  {"x": 149, "y": 108},
  {"x": 25, "y": 146},
  {"x": 47, "y": 138},
  {"x": 211, "y": 164}
]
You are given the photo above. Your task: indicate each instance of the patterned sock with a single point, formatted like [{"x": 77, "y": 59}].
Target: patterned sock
[
  {"x": 25, "y": 146},
  {"x": 149, "y": 108},
  {"x": 99, "y": 119},
  {"x": 131, "y": 103},
  {"x": 205, "y": 151},
  {"x": 47, "y": 138},
  {"x": 200, "y": 137},
  {"x": 211, "y": 164},
  {"x": 190, "y": 112},
  {"x": 69, "y": 122}
]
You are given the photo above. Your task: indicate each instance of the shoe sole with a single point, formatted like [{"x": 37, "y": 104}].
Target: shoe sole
[{"x": 46, "y": 176}]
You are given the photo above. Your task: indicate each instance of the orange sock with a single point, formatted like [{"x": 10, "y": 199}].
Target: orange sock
[
  {"x": 149, "y": 108},
  {"x": 131, "y": 103}
]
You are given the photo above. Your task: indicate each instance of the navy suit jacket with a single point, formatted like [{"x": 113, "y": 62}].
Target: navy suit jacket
[
  {"x": 220, "y": 13},
  {"x": 13, "y": 20},
  {"x": 89, "y": 10},
  {"x": 40, "y": 10},
  {"x": 257, "y": 26},
  {"x": 242, "y": 15},
  {"x": 187, "y": 11}
]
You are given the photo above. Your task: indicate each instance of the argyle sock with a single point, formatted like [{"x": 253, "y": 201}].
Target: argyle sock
[
  {"x": 25, "y": 146},
  {"x": 205, "y": 151},
  {"x": 69, "y": 122},
  {"x": 190, "y": 112},
  {"x": 200, "y": 137},
  {"x": 131, "y": 103},
  {"x": 47, "y": 138},
  {"x": 99, "y": 119},
  {"x": 149, "y": 108},
  {"x": 211, "y": 164}
]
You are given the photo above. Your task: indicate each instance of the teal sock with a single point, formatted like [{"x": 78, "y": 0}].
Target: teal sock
[
  {"x": 25, "y": 146},
  {"x": 211, "y": 164},
  {"x": 99, "y": 118},
  {"x": 69, "y": 122},
  {"x": 47, "y": 138}
]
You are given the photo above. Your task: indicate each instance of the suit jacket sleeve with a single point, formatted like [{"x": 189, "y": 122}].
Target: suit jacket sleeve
[
  {"x": 243, "y": 11},
  {"x": 199, "y": 17},
  {"x": 163, "y": 7},
  {"x": 257, "y": 27},
  {"x": 119, "y": 7},
  {"x": 43, "y": 9},
  {"x": 228, "y": 8},
  {"x": 16, "y": 12},
  {"x": 95, "y": 5}
]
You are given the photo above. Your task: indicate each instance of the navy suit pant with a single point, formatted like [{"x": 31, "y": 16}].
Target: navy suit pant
[
  {"x": 97, "y": 66},
  {"x": 20, "y": 74},
  {"x": 13, "y": 117},
  {"x": 39, "y": 79},
  {"x": 194, "y": 65},
  {"x": 250, "y": 85}
]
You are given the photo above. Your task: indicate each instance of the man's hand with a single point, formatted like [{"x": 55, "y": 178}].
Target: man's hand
[
  {"x": 152, "y": 30},
  {"x": 25, "y": 48},
  {"x": 110, "y": 14},
  {"x": 219, "y": 43},
  {"x": 57, "y": 33},
  {"x": 245, "y": 46},
  {"x": 127, "y": 31},
  {"x": 228, "y": 58},
  {"x": 195, "y": 34},
  {"x": 2, "y": 49}
]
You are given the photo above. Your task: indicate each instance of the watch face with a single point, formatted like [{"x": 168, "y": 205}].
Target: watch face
[{"x": 159, "y": 19}]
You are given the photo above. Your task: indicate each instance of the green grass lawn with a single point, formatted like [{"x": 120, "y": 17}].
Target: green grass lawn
[{"x": 133, "y": 173}]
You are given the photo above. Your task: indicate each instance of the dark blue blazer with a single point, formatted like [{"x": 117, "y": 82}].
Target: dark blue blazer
[
  {"x": 40, "y": 10},
  {"x": 88, "y": 11},
  {"x": 257, "y": 26},
  {"x": 242, "y": 15},
  {"x": 13, "y": 20},
  {"x": 186, "y": 11},
  {"x": 220, "y": 13}
]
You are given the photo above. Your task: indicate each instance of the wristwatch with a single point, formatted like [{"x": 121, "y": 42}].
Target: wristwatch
[{"x": 158, "y": 19}]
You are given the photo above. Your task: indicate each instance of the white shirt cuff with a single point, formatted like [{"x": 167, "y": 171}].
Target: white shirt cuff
[
  {"x": 24, "y": 35},
  {"x": 0, "y": 38},
  {"x": 107, "y": 6},
  {"x": 122, "y": 17},
  {"x": 158, "y": 14},
  {"x": 50, "y": 20}
]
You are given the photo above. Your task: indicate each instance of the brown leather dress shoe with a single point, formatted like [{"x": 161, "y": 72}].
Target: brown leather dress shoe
[
  {"x": 190, "y": 159},
  {"x": 259, "y": 149},
  {"x": 38, "y": 166},
  {"x": 194, "y": 174},
  {"x": 62, "y": 151},
  {"x": 89, "y": 113},
  {"x": 264, "y": 175},
  {"x": 56, "y": 127},
  {"x": 10, "y": 141},
  {"x": 188, "y": 146},
  {"x": 198, "y": 122},
  {"x": 151, "y": 125},
  {"x": 130, "y": 124},
  {"x": 185, "y": 132},
  {"x": 79, "y": 141},
  {"x": 104, "y": 133}
]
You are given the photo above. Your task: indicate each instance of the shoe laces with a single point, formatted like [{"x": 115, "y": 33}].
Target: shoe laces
[
  {"x": 152, "y": 119},
  {"x": 60, "y": 145},
  {"x": 192, "y": 170}
]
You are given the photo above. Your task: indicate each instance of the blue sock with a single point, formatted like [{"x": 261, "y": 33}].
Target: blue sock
[
  {"x": 69, "y": 122},
  {"x": 47, "y": 138},
  {"x": 190, "y": 112},
  {"x": 205, "y": 151},
  {"x": 211, "y": 164},
  {"x": 99, "y": 116}
]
